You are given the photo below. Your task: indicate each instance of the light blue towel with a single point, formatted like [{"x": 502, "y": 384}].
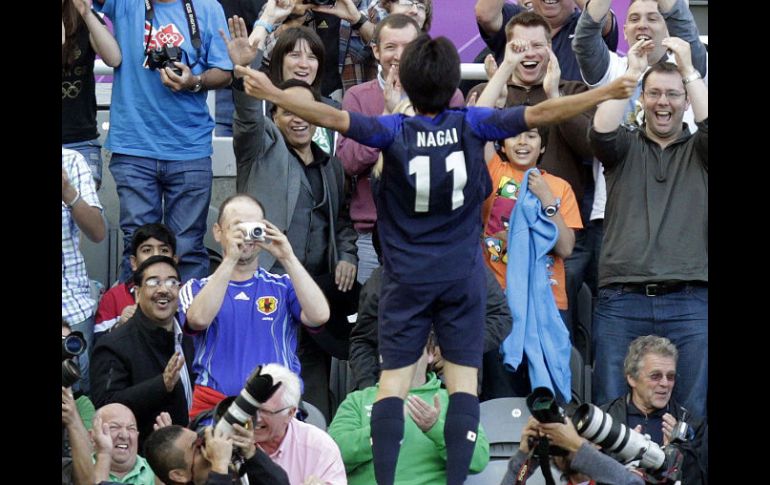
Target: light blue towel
[{"x": 538, "y": 328}]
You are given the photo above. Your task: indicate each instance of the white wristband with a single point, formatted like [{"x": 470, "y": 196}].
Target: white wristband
[{"x": 70, "y": 205}]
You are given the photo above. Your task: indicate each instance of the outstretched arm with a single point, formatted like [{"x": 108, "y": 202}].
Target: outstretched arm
[
  {"x": 257, "y": 84},
  {"x": 557, "y": 110}
]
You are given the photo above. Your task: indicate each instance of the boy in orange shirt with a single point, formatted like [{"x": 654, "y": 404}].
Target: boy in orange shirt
[{"x": 512, "y": 158}]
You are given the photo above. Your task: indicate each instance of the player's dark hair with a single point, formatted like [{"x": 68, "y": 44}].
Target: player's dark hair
[{"x": 430, "y": 73}]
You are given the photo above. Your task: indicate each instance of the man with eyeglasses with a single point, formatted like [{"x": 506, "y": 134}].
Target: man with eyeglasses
[
  {"x": 145, "y": 364},
  {"x": 650, "y": 368},
  {"x": 653, "y": 267},
  {"x": 302, "y": 450}
]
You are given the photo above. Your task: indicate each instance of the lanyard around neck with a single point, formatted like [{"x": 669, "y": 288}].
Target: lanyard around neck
[{"x": 192, "y": 24}]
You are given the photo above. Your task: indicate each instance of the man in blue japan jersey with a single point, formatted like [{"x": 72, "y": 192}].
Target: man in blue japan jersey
[
  {"x": 429, "y": 198},
  {"x": 241, "y": 315}
]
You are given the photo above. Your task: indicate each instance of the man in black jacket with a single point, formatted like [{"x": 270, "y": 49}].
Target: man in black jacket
[
  {"x": 145, "y": 364},
  {"x": 650, "y": 369}
]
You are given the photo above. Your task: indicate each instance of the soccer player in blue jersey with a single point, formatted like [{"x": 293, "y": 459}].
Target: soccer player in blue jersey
[{"x": 429, "y": 197}]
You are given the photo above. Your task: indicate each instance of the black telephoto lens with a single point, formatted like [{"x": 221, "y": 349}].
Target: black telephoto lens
[{"x": 70, "y": 373}]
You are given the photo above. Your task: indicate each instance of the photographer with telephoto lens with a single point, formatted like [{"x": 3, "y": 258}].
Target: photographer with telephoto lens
[
  {"x": 650, "y": 367},
  {"x": 227, "y": 450},
  {"x": 574, "y": 456}
]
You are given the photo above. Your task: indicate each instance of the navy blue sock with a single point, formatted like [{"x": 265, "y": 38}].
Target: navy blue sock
[
  {"x": 387, "y": 432},
  {"x": 460, "y": 428}
]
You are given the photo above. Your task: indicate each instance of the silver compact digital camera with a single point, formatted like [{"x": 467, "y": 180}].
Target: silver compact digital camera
[{"x": 255, "y": 231}]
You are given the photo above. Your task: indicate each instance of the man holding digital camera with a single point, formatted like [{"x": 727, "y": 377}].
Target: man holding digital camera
[
  {"x": 242, "y": 315},
  {"x": 160, "y": 127}
]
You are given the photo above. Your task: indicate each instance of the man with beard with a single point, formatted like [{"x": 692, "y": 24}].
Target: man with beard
[{"x": 242, "y": 315}]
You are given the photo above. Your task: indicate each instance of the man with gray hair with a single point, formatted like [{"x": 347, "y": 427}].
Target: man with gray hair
[
  {"x": 301, "y": 449},
  {"x": 650, "y": 370}
]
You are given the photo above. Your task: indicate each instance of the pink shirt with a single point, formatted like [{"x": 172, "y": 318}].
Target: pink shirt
[{"x": 307, "y": 450}]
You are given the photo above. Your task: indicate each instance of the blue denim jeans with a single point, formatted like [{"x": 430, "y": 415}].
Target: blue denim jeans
[
  {"x": 86, "y": 327},
  {"x": 92, "y": 152},
  {"x": 175, "y": 192},
  {"x": 682, "y": 317}
]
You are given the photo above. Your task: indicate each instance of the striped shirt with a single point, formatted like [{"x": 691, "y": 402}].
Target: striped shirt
[{"x": 76, "y": 302}]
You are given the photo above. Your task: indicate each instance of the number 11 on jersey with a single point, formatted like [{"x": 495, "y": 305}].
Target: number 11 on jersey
[{"x": 420, "y": 167}]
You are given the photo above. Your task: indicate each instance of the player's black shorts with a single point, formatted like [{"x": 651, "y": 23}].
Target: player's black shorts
[{"x": 455, "y": 308}]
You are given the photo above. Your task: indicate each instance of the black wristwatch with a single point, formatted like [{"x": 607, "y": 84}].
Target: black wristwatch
[
  {"x": 198, "y": 85},
  {"x": 361, "y": 21},
  {"x": 552, "y": 209}
]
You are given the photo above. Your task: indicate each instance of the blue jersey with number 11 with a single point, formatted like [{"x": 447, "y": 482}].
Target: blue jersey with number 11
[{"x": 433, "y": 183}]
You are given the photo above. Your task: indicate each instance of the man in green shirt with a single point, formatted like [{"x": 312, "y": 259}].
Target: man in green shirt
[
  {"x": 422, "y": 459},
  {"x": 115, "y": 429}
]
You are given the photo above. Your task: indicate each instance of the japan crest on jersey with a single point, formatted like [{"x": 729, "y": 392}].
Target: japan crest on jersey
[{"x": 267, "y": 304}]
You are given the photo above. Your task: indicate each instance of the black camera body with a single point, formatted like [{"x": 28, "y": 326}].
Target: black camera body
[
  {"x": 165, "y": 56},
  {"x": 321, "y": 2},
  {"x": 543, "y": 406}
]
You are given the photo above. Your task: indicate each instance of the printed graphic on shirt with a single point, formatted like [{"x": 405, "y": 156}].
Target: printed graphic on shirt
[
  {"x": 499, "y": 218},
  {"x": 267, "y": 304},
  {"x": 166, "y": 36},
  {"x": 241, "y": 296},
  {"x": 505, "y": 198}
]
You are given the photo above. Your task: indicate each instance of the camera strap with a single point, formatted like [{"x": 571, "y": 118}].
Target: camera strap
[
  {"x": 192, "y": 24},
  {"x": 544, "y": 458}
]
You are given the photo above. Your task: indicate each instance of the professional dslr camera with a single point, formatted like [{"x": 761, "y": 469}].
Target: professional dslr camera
[
  {"x": 165, "y": 56},
  {"x": 543, "y": 406},
  {"x": 258, "y": 389},
  {"x": 71, "y": 346},
  {"x": 660, "y": 465},
  {"x": 255, "y": 231}
]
